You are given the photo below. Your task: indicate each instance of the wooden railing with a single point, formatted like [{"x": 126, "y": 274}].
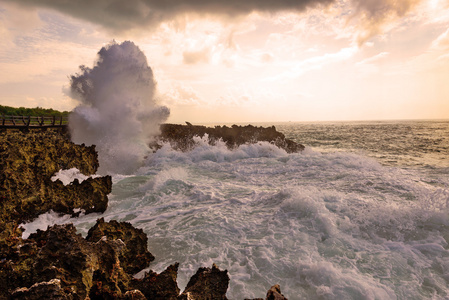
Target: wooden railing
[{"x": 32, "y": 121}]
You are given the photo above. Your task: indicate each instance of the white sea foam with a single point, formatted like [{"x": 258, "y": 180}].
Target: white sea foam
[
  {"x": 49, "y": 218},
  {"x": 324, "y": 226},
  {"x": 118, "y": 111},
  {"x": 69, "y": 175}
]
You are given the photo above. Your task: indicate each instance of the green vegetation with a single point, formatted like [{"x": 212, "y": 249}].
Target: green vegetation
[{"x": 38, "y": 111}]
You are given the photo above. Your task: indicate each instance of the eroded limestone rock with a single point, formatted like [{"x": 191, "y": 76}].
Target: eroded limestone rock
[
  {"x": 181, "y": 136},
  {"x": 135, "y": 255},
  {"x": 161, "y": 286},
  {"x": 207, "y": 283},
  {"x": 27, "y": 163}
]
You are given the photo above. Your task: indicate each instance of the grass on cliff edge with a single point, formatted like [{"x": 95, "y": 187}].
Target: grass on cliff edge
[{"x": 37, "y": 111}]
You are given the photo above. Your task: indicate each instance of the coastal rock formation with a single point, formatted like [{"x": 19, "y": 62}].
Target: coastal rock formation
[
  {"x": 181, "y": 136},
  {"x": 51, "y": 290},
  {"x": 207, "y": 283},
  {"x": 135, "y": 255},
  {"x": 60, "y": 264},
  {"x": 274, "y": 293},
  {"x": 159, "y": 286},
  {"x": 28, "y": 160}
]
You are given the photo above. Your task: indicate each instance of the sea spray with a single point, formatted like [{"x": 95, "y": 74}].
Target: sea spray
[
  {"x": 332, "y": 225},
  {"x": 118, "y": 111}
]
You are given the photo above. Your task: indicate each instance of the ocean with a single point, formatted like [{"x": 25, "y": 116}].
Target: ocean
[{"x": 361, "y": 213}]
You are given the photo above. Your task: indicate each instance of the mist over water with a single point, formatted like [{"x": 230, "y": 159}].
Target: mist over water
[{"x": 118, "y": 111}]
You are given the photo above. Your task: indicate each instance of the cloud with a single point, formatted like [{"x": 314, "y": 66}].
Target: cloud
[
  {"x": 180, "y": 94},
  {"x": 373, "y": 59},
  {"x": 370, "y": 65},
  {"x": 122, "y": 15},
  {"x": 266, "y": 58},
  {"x": 442, "y": 42},
  {"x": 298, "y": 69},
  {"x": 195, "y": 57},
  {"x": 374, "y": 14}
]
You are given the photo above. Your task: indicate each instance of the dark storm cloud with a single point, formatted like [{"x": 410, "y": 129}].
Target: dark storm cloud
[{"x": 121, "y": 15}]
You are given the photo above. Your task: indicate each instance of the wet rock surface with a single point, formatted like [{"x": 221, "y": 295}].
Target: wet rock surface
[
  {"x": 28, "y": 160},
  {"x": 207, "y": 283},
  {"x": 159, "y": 286},
  {"x": 274, "y": 293},
  {"x": 58, "y": 263},
  {"x": 181, "y": 136},
  {"x": 135, "y": 256}
]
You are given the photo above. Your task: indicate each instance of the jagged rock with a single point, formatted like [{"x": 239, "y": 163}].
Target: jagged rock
[
  {"x": 82, "y": 268},
  {"x": 181, "y": 136},
  {"x": 274, "y": 293},
  {"x": 88, "y": 267},
  {"x": 27, "y": 163},
  {"x": 135, "y": 255},
  {"x": 57, "y": 253},
  {"x": 134, "y": 295},
  {"x": 109, "y": 280},
  {"x": 67, "y": 256},
  {"x": 51, "y": 290},
  {"x": 161, "y": 286},
  {"x": 207, "y": 283}
]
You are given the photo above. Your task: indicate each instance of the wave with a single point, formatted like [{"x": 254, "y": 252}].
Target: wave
[{"x": 323, "y": 225}]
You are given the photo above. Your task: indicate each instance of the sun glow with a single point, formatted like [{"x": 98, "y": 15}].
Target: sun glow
[{"x": 299, "y": 64}]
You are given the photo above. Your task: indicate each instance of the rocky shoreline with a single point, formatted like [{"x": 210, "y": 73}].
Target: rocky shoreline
[
  {"x": 58, "y": 263},
  {"x": 181, "y": 137}
]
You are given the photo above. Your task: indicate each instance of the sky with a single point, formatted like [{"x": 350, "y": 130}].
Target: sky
[{"x": 218, "y": 61}]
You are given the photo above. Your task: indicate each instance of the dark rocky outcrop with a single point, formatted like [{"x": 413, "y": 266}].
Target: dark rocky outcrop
[
  {"x": 181, "y": 136},
  {"x": 274, "y": 293},
  {"x": 28, "y": 160},
  {"x": 52, "y": 290},
  {"x": 60, "y": 264},
  {"x": 207, "y": 283},
  {"x": 135, "y": 256},
  {"x": 161, "y": 286}
]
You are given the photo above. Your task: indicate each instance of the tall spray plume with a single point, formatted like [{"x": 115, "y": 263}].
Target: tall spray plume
[{"x": 118, "y": 111}]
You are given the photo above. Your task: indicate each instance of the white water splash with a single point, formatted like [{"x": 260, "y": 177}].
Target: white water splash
[{"x": 118, "y": 112}]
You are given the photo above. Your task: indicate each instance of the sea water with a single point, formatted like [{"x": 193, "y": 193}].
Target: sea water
[{"x": 361, "y": 213}]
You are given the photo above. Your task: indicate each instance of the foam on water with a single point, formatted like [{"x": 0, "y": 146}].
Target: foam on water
[
  {"x": 324, "y": 226},
  {"x": 68, "y": 176}
]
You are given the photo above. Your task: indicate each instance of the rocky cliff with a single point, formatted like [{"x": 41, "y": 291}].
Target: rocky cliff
[{"x": 28, "y": 160}]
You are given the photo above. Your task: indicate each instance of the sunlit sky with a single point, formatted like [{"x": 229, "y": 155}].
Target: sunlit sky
[{"x": 241, "y": 61}]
